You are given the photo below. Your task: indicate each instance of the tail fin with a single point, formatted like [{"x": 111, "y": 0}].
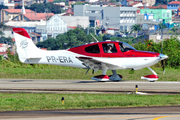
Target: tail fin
[{"x": 25, "y": 46}]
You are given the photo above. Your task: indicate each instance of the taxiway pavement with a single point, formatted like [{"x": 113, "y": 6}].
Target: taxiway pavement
[
  {"x": 135, "y": 113},
  {"x": 79, "y": 86}
]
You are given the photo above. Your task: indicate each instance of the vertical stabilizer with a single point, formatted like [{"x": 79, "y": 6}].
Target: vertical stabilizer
[{"x": 25, "y": 46}]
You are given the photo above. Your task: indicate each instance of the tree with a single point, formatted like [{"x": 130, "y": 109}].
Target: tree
[
  {"x": 20, "y": 7},
  {"x": 70, "y": 39},
  {"x": 136, "y": 28},
  {"x": 79, "y": 3},
  {"x": 162, "y": 2},
  {"x": 174, "y": 29},
  {"x": 161, "y": 27},
  {"x": 3, "y": 7},
  {"x": 2, "y": 26},
  {"x": 1, "y": 34},
  {"x": 50, "y": 44},
  {"x": 40, "y": 8},
  {"x": 6, "y": 40}
]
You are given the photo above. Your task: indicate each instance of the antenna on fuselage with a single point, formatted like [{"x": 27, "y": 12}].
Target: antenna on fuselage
[{"x": 94, "y": 37}]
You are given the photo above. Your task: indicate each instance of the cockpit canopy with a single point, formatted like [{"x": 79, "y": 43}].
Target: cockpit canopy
[
  {"x": 109, "y": 48},
  {"x": 103, "y": 49},
  {"x": 125, "y": 47}
]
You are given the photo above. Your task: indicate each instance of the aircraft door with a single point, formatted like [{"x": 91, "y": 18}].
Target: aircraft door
[{"x": 128, "y": 59}]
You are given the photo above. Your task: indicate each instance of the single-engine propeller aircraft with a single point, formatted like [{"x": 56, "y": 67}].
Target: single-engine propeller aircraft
[{"x": 107, "y": 55}]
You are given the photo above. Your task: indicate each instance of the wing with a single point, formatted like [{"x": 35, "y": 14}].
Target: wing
[{"x": 92, "y": 63}]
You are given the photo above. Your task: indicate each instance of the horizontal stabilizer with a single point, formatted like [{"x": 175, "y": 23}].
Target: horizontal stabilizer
[{"x": 33, "y": 57}]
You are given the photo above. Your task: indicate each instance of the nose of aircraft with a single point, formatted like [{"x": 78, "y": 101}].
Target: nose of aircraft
[{"x": 162, "y": 57}]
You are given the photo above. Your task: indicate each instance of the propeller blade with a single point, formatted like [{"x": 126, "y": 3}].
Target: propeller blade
[
  {"x": 162, "y": 64},
  {"x": 162, "y": 61},
  {"x": 87, "y": 71}
]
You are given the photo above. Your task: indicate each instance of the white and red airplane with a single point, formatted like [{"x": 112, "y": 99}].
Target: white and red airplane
[{"x": 95, "y": 56}]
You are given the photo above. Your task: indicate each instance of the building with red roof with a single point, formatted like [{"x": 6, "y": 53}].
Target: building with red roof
[
  {"x": 150, "y": 2},
  {"x": 112, "y": 31},
  {"x": 174, "y": 2},
  {"x": 178, "y": 12},
  {"x": 161, "y": 6},
  {"x": 144, "y": 2},
  {"x": 50, "y": 0},
  {"x": 138, "y": 11},
  {"x": 13, "y": 11},
  {"x": 37, "y": 16},
  {"x": 43, "y": 48},
  {"x": 136, "y": 4},
  {"x": 173, "y": 5},
  {"x": 130, "y": 1},
  {"x": 17, "y": 15},
  {"x": 3, "y": 47},
  {"x": 72, "y": 27}
]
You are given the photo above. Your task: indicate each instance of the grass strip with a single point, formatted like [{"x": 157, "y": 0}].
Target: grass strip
[
  {"x": 76, "y": 73},
  {"x": 36, "y": 101}
]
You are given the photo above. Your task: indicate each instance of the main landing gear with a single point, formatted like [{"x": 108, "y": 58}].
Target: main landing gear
[
  {"x": 151, "y": 77},
  {"x": 116, "y": 77},
  {"x": 104, "y": 77}
]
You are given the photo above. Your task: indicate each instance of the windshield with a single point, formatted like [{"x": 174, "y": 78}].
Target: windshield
[{"x": 125, "y": 47}]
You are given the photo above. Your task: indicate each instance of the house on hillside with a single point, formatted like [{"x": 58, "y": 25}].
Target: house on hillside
[
  {"x": 138, "y": 4},
  {"x": 124, "y": 3},
  {"x": 158, "y": 15},
  {"x": 163, "y": 15},
  {"x": 91, "y": 1},
  {"x": 173, "y": 5},
  {"x": 4, "y": 48},
  {"x": 29, "y": 26},
  {"x": 3, "y": 2},
  {"x": 161, "y": 6},
  {"x": 36, "y": 37},
  {"x": 130, "y": 1},
  {"x": 148, "y": 2},
  {"x": 17, "y": 15}
]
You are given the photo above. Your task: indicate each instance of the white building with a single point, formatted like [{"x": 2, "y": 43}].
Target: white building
[
  {"x": 74, "y": 21},
  {"x": 122, "y": 18},
  {"x": 2, "y": 2},
  {"x": 91, "y": 1},
  {"x": 56, "y": 25}
]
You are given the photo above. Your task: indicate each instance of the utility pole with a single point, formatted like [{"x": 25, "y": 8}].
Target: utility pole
[{"x": 88, "y": 30}]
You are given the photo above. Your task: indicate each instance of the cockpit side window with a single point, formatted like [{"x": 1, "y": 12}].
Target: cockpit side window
[
  {"x": 125, "y": 47},
  {"x": 92, "y": 49},
  {"x": 109, "y": 48}
]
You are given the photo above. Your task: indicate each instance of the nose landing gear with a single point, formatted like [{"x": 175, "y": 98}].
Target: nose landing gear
[{"x": 153, "y": 77}]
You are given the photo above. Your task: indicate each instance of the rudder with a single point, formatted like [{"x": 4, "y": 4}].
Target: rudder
[{"x": 24, "y": 44}]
